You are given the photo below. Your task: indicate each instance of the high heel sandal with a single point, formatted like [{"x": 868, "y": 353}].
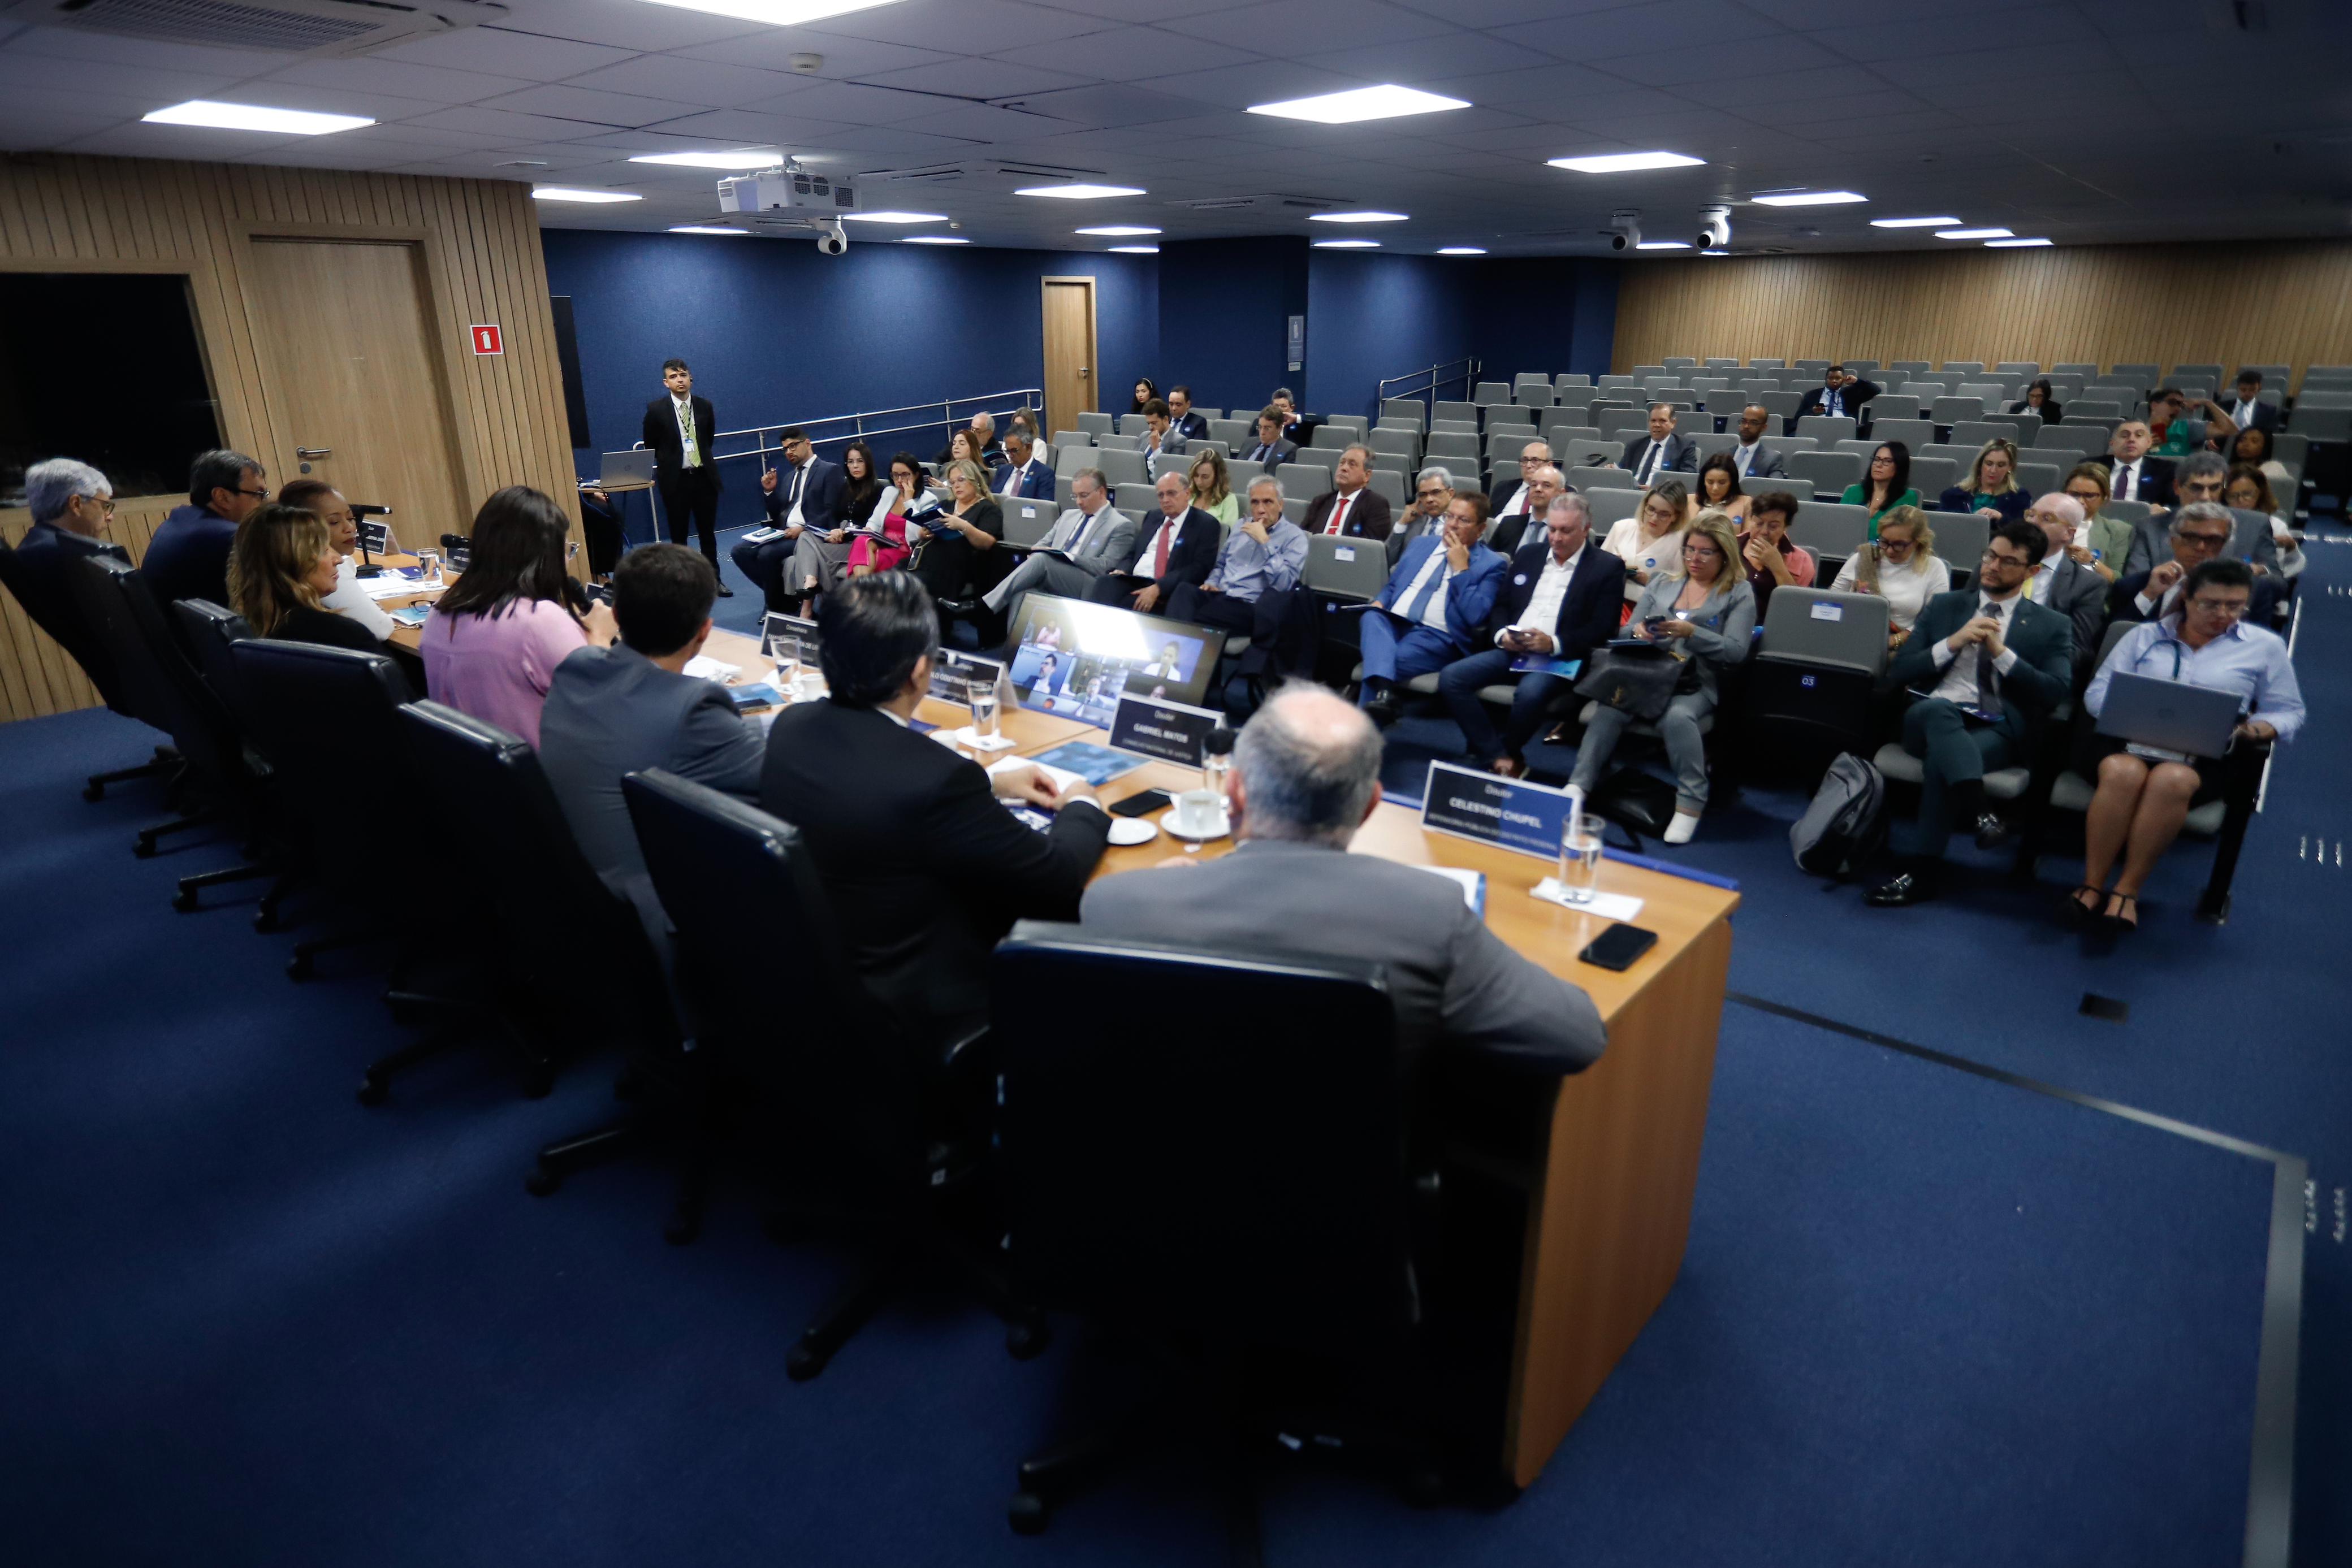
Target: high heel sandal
[
  {"x": 2114, "y": 923},
  {"x": 2079, "y": 913}
]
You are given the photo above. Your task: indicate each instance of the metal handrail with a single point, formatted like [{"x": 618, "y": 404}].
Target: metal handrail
[
  {"x": 1017, "y": 397},
  {"x": 1467, "y": 375}
]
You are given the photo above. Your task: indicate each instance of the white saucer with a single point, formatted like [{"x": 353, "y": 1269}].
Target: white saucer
[
  {"x": 967, "y": 737},
  {"x": 1131, "y": 830},
  {"x": 1168, "y": 821}
]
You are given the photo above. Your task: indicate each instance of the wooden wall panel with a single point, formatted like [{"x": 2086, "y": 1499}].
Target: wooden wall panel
[
  {"x": 480, "y": 239},
  {"x": 2273, "y": 303}
]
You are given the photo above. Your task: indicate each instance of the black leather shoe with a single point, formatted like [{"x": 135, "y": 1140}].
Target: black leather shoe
[
  {"x": 725, "y": 591},
  {"x": 959, "y": 606},
  {"x": 1899, "y": 892},
  {"x": 1992, "y": 832},
  {"x": 1382, "y": 709}
]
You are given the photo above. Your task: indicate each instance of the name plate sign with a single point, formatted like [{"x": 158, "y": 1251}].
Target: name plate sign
[
  {"x": 1510, "y": 813},
  {"x": 1170, "y": 731},
  {"x": 375, "y": 535}
]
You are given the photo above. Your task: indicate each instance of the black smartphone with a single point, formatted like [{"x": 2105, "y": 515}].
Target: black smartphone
[
  {"x": 1149, "y": 800},
  {"x": 1619, "y": 946}
]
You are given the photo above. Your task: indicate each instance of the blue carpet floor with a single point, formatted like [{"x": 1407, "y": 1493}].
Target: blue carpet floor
[{"x": 1924, "y": 1317}]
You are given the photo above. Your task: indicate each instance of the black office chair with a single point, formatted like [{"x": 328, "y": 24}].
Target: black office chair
[
  {"x": 217, "y": 785},
  {"x": 91, "y": 655},
  {"x": 882, "y": 1128},
  {"x": 211, "y": 630},
  {"x": 571, "y": 961},
  {"x": 327, "y": 721},
  {"x": 1227, "y": 1175}
]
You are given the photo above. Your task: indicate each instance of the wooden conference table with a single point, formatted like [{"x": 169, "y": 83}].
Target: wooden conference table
[{"x": 1608, "y": 1207}]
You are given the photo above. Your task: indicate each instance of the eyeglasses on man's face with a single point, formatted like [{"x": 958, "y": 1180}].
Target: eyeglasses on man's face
[
  {"x": 2233, "y": 607},
  {"x": 1993, "y": 557},
  {"x": 2207, "y": 541}
]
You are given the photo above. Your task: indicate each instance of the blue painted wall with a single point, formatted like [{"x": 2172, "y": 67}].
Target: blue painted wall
[
  {"x": 775, "y": 331},
  {"x": 1225, "y": 311},
  {"x": 1373, "y": 317}
]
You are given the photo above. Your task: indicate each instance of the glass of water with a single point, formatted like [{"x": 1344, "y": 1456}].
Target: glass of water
[
  {"x": 985, "y": 716},
  {"x": 428, "y": 565},
  {"x": 1579, "y": 858},
  {"x": 788, "y": 662}
]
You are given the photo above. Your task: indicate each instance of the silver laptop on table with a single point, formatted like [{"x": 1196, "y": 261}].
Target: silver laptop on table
[
  {"x": 2169, "y": 715},
  {"x": 627, "y": 470}
]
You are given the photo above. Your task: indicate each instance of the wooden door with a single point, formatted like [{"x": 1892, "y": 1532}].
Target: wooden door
[
  {"x": 353, "y": 381},
  {"x": 1070, "y": 370}
]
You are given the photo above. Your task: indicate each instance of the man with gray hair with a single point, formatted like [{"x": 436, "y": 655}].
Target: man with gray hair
[
  {"x": 1508, "y": 498},
  {"x": 71, "y": 504},
  {"x": 2199, "y": 532},
  {"x": 1306, "y": 776},
  {"x": 1432, "y": 492},
  {"x": 1089, "y": 539},
  {"x": 1260, "y": 562},
  {"x": 2203, "y": 476}
]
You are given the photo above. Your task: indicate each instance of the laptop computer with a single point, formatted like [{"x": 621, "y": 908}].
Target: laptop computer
[
  {"x": 2169, "y": 715},
  {"x": 627, "y": 470}
]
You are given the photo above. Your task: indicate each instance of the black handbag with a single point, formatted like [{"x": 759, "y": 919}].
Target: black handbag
[{"x": 1639, "y": 681}]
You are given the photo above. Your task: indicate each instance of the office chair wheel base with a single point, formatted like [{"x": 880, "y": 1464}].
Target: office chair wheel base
[
  {"x": 1027, "y": 1513},
  {"x": 803, "y": 1361},
  {"x": 298, "y": 967},
  {"x": 185, "y": 901},
  {"x": 1028, "y": 1341},
  {"x": 542, "y": 1181},
  {"x": 374, "y": 1089}
]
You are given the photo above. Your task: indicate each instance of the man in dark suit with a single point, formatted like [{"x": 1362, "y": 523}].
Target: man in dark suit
[
  {"x": 1839, "y": 394},
  {"x": 1750, "y": 457},
  {"x": 1662, "y": 451},
  {"x": 2201, "y": 478},
  {"x": 1526, "y": 527},
  {"x": 680, "y": 427},
  {"x": 926, "y": 870},
  {"x": 1305, "y": 776},
  {"x": 2061, "y": 581},
  {"x": 1992, "y": 665},
  {"x": 72, "y": 505},
  {"x": 1560, "y": 598},
  {"x": 1352, "y": 507},
  {"x": 1181, "y": 420},
  {"x": 1024, "y": 473},
  {"x": 1504, "y": 502},
  {"x": 2247, "y": 409},
  {"x": 188, "y": 557},
  {"x": 611, "y": 711},
  {"x": 805, "y": 500},
  {"x": 1273, "y": 448},
  {"x": 1179, "y": 547},
  {"x": 2134, "y": 474},
  {"x": 2199, "y": 532},
  {"x": 1431, "y": 610}
]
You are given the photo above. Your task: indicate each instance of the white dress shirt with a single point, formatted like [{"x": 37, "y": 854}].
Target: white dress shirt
[
  {"x": 1543, "y": 605},
  {"x": 1337, "y": 518},
  {"x": 2157, "y": 608},
  {"x": 1434, "y": 615},
  {"x": 694, "y": 451},
  {"x": 1517, "y": 504},
  {"x": 1647, "y": 467},
  {"x": 1960, "y": 682},
  {"x": 2127, "y": 474},
  {"x": 1173, "y": 528},
  {"x": 2037, "y": 587},
  {"x": 795, "y": 480},
  {"x": 1744, "y": 458},
  {"x": 351, "y": 601}
]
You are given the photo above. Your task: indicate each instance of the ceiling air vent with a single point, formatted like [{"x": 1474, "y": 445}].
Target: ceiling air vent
[
  {"x": 321, "y": 27},
  {"x": 984, "y": 175},
  {"x": 1263, "y": 203}
]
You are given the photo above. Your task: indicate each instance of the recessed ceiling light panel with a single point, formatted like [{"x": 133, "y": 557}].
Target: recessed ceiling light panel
[
  {"x": 775, "y": 13},
  {"x": 1972, "y": 233},
  {"x": 1625, "y": 162},
  {"x": 1119, "y": 231},
  {"x": 1135, "y": 250},
  {"x": 1664, "y": 245},
  {"x": 1383, "y": 102},
  {"x": 1080, "y": 190},
  {"x": 2010, "y": 244},
  {"x": 935, "y": 239},
  {"x": 1362, "y": 217},
  {"x": 743, "y": 158},
  {"x": 1347, "y": 244},
  {"x": 1911, "y": 223},
  {"x": 705, "y": 229},
  {"x": 1462, "y": 250},
  {"x": 1810, "y": 198},
  {"x": 895, "y": 218},
  {"x": 567, "y": 194},
  {"x": 213, "y": 116}
]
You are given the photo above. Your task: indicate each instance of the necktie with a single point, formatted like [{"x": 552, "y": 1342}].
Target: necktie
[
  {"x": 2123, "y": 483},
  {"x": 693, "y": 452},
  {"x": 1429, "y": 585},
  {"x": 1649, "y": 463},
  {"x": 1159, "y": 557},
  {"x": 1988, "y": 692},
  {"x": 1833, "y": 404},
  {"x": 1079, "y": 533},
  {"x": 795, "y": 498},
  {"x": 1746, "y": 455},
  {"x": 1339, "y": 515}
]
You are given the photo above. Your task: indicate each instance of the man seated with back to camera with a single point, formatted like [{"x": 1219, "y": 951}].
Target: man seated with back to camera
[
  {"x": 925, "y": 870},
  {"x": 1179, "y": 547},
  {"x": 1560, "y": 598},
  {"x": 1991, "y": 665},
  {"x": 2196, "y": 533},
  {"x": 1432, "y": 608},
  {"x": 1260, "y": 562},
  {"x": 1306, "y": 776},
  {"x": 614, "y": 710}
]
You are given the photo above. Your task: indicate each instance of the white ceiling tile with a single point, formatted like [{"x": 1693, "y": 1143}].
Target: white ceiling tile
[
  {"x": 622, "y": 24},
  {"x": 1297, "y": 27},
  {"x": 994, "y": 79},
  {"x": 1000, "y": 25},
  {"x": 113, "y": 49},
  {"x": 851, "y": 103},
  {"x": 591, "y": 107},
  {"x": 1133, "y": 54},
  {"x": 1505, "y": 13},
  {"x": 400, "y": 79},
  {"x": 1263, "y": 81},
  {"x": 1721, "y": 61},
  {"x": 1422, "y": 61},
  {"x": 742, "y": 128},
  {"x": 518, "y": 129},
  {"x": 706, "y": 84},
  {"x": 977, "y": 123},
  {"x": 1961, "y": 30},
  {"x": 498, "y": 51},
  {"x": 1640, "y": 30},
  {"x": 1111, "y": 106},
  {"x": 846, "y": 59}
]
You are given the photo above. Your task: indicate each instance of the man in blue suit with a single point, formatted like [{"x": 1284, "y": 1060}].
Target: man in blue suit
[
  {"x": 806, "y": 496},
  {"x": 1023, "y": 473},
  {"x": 1432, "y": 609},
  {"x": 188, "y": 557}
]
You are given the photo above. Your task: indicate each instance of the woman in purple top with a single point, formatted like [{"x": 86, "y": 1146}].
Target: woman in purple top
[{"x": 493, "y": 641}]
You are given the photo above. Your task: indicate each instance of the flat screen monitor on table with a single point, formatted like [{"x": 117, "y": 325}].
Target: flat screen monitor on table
[{"x": 1075, "y": 658}]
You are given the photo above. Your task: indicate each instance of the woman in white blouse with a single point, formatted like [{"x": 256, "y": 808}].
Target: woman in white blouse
[
  {"x": 350, "y": 599},
  {"x": 1650, "y": 542},
  {"x": 1902, "y": 569}
]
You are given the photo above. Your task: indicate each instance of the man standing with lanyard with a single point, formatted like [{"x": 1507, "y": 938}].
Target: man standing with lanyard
[{"x": 679, "y": 427}]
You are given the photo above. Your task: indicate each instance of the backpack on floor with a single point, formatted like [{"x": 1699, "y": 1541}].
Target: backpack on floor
[{"x": 1846, "y": 820}]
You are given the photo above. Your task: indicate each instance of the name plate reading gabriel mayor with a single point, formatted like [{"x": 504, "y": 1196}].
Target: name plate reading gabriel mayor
[
  {"x": 1169, "y": 731},
  {"x": 1509, "y": 812}
]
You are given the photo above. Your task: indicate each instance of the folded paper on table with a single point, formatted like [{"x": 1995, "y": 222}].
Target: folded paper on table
[
  {"x": 1607, "y": 906},
  {"x": 1474, "y": 884},
  {"x": 704, "y": 667}
]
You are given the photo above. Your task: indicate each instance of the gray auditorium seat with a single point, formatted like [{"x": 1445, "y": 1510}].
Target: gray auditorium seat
[
  {"x": 1826, "y": 427},
  {"x": 1913, "y": 432},
  {"x": 1829, "y": 473},
  {"x": 1931, "y": 477},
  {"x": 1303, "y": 481}
]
